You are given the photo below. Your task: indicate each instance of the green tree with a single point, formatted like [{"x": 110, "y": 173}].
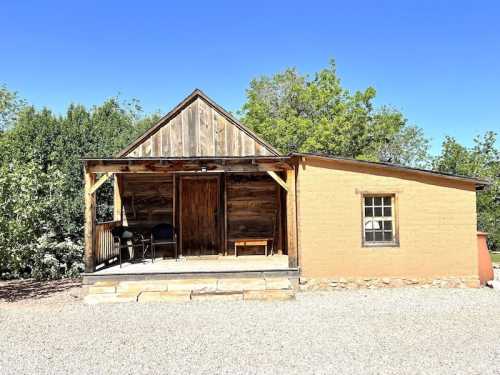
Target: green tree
[
  {"x": 482, "y": 161},
  {"x": 42, "y": 181},
  {"x": 299, "y": 114},
  {"x": 10, "y": 105}
]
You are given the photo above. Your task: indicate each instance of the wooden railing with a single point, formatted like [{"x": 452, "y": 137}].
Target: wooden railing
[{"x": 104, "y": 249}]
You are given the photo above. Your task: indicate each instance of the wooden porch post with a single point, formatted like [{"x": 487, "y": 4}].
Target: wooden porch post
[
  {"x": 291, "y": 218},
  {"x": 90, "y": 202},
  {"x": 117, "y": 198}
]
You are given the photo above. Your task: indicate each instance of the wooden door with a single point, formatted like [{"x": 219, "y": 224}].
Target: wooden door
[{"x": 199, "y": 215}]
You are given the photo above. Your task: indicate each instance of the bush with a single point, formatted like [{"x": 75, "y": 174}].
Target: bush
[{"x": 33, "y": 240}]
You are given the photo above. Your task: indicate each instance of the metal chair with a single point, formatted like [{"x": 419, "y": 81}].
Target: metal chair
[
  {"x": 123, "y": 239},
  {"x": 163, "y": 234}
]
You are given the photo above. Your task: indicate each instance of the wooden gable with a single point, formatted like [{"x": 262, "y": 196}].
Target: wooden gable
[{"x": 198, "y": 127}]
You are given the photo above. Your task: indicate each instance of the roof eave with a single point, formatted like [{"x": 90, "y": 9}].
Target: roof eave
[{"x": 480, "y": 184}]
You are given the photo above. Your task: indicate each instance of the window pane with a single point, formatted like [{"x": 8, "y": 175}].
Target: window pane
[
  {"x": 387, "y": 225},
  {"x": 368, "y": 201},
  {"x": 387, "y": 201},
  {"x": 369, "y": 236},
  {"x": 368, "y": 224},
  {"x": 378, "y": 236},
  {"x": 368, "y": 211},
  {"x": 387, "y": 211},
  {"x": 378, "y": 211},
  {"x": 377, "y": 201},
  {"x": 388, "y": 236}
]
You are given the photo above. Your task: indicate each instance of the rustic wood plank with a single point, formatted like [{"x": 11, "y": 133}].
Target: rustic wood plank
[
  {"x": 148, "y": 199},
  {"x": 291, "y": 221},
  {"x": 89, "y": 226},
  {"x": 171, "y": 149},
  {"x": 176, "y": 133},
  {"x": 279, "y": 223},
  {"x": 155, "y": 144},
  {"x": 249, "y": 145},
  {"x": 278, "y": 179},
  {"x": 220, "y": 135},
  {"x": 185, "y": 132},
  {"x": 210, "y": 139},
  {"x": 206, "y": 141},
  {"x": 225, "y": 213},
  {"x": 192, "y": 130},
  {"x": 156, "y": 167},
  {"x": 165, "y": 140},
  {"x": 174, "y": 200},
  {"x": 117, "y": 198}
]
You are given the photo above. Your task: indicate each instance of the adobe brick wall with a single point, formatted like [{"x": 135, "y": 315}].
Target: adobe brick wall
[{"x": 436, "y": 220}]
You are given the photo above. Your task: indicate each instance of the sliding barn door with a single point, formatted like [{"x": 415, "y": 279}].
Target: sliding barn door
[{"x": 199, "y": 215}]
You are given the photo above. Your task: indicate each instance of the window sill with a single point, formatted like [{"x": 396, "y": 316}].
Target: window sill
[{"x": 379, "y": 244}]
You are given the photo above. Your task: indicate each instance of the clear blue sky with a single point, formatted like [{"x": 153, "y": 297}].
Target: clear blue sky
[{"x": 437, "y": 61}]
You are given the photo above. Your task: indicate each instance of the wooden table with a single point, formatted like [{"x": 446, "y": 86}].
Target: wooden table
[{"x": 253, "y": 242}]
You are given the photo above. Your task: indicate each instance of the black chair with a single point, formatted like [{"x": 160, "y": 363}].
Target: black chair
[
  {"x": 163, "y": 234},
  {"x": 124, "y": 239}
]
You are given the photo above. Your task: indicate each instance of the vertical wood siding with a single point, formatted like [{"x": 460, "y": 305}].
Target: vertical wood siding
[{"x": 199, "y": 130}]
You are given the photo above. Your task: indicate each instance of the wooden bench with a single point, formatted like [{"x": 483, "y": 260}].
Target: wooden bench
[{"x": 253, "y": 242}]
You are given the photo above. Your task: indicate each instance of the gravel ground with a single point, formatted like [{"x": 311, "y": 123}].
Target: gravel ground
[{"x": 411, "y": 331}]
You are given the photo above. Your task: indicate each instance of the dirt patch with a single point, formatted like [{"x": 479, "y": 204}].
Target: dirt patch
[{"x": 29, "y": 291}]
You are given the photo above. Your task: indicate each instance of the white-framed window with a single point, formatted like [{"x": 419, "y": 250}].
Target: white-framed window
[{"x": 379, "y": 224}]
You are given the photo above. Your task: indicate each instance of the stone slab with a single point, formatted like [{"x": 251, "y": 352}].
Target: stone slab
[
  {"x": 94, "y": 299},
  {"x": 206, "y": 285},
  {"x": 106, "y": 283},
  {"x": 217, "y": 296},
  {"x": 278, "y": 283},
  {"x": 268, "y": 295},
  {"x": 175, "y": 296},
  {"x": 143, "y": 286},
  {"x": 101, "y": 289},
  {"x": 225, "y": 285}
]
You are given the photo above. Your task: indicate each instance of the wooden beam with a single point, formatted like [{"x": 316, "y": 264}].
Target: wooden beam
[
  {"x": 157, "y": 167},
  {"x": 89, "y": 229},
  {"x": 100, "y": 181},
  {"x": 291, "y": 219},
  {"x": 278, "y": 179}
]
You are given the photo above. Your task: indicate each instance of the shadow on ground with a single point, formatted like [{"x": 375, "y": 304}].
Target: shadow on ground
[{"x": 19, "y": 290}]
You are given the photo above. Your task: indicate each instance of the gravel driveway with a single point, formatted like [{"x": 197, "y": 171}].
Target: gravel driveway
[{"x": 396, "y": 331}]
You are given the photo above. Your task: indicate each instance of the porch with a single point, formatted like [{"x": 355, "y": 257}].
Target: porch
[{"x": 214, "y": 206}]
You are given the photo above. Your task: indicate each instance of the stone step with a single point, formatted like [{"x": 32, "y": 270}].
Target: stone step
[
  {"x": 184, "y": 296},
  {"x": 195, "y": 285},
  {"x": 175, "y": 296},
  {"x": 94, "y": 299},
  {"x": 269, "y": 295},
  {"x": 180, "y": 290}
]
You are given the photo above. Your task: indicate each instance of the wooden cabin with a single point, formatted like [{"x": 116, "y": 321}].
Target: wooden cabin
[{"x": 239, "y": 204}]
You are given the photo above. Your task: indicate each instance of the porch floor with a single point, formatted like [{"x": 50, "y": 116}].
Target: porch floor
[{"x": 197, "y": 264}]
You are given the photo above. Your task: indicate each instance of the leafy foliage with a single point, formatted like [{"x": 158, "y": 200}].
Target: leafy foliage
[
  {"x": 10, "y": 105},
  {"x": 483, "y": 161},
  {"x": 41, "y": 182},
  {"x": 296, "y": 113}
]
